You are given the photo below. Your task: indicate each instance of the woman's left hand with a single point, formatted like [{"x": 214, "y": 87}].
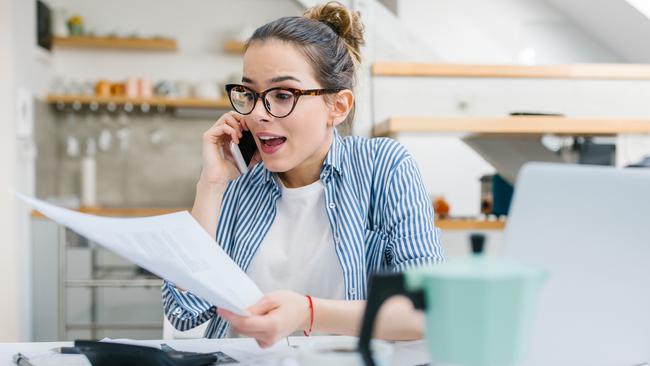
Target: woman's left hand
[{"x": 275, "y": 316}]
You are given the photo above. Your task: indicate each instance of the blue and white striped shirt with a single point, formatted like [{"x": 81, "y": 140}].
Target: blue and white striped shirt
[{"x": 378, "y": 209}]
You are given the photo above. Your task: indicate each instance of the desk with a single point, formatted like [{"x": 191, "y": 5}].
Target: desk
[{"x": 405, "y": 353}]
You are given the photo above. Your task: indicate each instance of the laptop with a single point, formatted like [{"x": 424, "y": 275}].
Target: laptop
[{"x": 589, "y": 227}]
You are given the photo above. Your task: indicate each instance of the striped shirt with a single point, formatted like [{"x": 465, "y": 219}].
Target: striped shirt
[{"x": 377, "y": 207}]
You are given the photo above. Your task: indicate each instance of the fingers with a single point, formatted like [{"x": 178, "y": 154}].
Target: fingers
[
  {"x": 236, "y": 120},
  {"x": 228, "y": 124},
  {"x": 230, "y": 130},
  {"x": 262, "y": 307},
  {"x": 269, "y": 320},
  {"x": 263, "y": 324},
  {"x": 245, "y": 324},
  {"x": 217, "y": 132},
  {"x": 263, "y": 343},
  {"x": 266, "y": 337},
  {"x": 229, "y": 120},
  {"x": 244, "y": 124}
]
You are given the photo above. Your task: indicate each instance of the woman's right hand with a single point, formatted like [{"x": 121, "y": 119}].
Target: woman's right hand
[{"x": 218, "y": 163}]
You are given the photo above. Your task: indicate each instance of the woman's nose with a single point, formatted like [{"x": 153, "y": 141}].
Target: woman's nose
[{"x": 259, "y": 113}]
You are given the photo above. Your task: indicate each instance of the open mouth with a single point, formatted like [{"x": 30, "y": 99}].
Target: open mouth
[{"x": 271, "y": 143}]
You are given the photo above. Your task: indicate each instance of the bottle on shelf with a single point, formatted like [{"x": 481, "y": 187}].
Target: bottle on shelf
[{"x": 89, "y": 175}]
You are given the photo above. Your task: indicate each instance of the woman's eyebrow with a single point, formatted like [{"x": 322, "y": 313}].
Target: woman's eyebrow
[
  {"x": 282, "y": 78},
  {"x": 276, "y": 79}
]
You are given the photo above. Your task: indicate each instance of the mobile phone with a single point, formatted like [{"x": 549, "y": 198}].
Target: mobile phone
[{"x": 244, "y": 151}]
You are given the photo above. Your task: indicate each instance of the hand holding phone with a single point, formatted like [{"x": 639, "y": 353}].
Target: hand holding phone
[{"x": 219, "y": 156}]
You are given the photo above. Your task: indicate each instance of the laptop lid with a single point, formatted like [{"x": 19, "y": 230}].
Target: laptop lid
[{"x": 590, "y": 228}]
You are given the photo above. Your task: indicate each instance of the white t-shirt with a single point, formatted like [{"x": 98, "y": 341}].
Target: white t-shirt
[{"x": 298, "y": 253}]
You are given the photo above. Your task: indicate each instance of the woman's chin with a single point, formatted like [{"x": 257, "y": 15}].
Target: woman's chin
[{"x": 276, "y": 165}]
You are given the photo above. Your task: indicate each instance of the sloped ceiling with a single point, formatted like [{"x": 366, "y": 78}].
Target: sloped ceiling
[{"x": 616, "y": 23}]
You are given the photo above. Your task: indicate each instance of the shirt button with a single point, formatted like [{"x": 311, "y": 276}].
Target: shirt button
[
  {"x": 338, "y": 240},
  {"x": 332, "y": 205},
  {"x": 326, "y": 173},
  {"x": 353, "y": 291}
]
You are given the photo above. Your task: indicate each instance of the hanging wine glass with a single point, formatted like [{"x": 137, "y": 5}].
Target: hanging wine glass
[
  {"x": 87, "y": 128},
  {"x": 157, "y": 135},
  {"x": 71, "y": 140},
  {"x": 123, "y": 134},
  {"x": 105, "y": 138}
]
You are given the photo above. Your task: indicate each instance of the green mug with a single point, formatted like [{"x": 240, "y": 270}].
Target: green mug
[{"x": 478, "y": 311}]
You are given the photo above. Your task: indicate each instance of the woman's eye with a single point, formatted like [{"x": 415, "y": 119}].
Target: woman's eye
[
  {"x": 248, "y": 96},
  {"x": 283, "y": 96}
]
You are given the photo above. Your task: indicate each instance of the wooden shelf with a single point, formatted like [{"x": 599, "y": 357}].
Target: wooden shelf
[
  {"x": 152, "y": 44},
  {"x": 232, "y": 46},
  {"x": 444, "y": 224},
  {"x": 168, "y": 102},
  {"x": 119, "y": 211},
  {"x": 470, "y": 224},
  {"x": 576, "y": 71},
  {"x": 535, "y": 125}
]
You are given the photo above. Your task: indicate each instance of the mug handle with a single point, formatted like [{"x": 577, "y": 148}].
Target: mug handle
[{"x": 383, "y": 286}]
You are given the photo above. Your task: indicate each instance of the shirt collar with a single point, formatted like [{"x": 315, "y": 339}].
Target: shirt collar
[
  {"x": 334, "y": 159},
  {"x": 261, "y": 175}
]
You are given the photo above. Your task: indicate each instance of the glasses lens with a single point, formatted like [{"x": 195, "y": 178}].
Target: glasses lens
[
  {"x": 242, "y": 99},
  {"x": 279, "y": 102}
]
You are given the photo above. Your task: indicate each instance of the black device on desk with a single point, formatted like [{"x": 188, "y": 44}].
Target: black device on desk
[{"x": 108, "y": 354}]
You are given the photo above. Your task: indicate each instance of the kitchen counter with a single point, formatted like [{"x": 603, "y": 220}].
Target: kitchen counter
[{"x": 444, "y": 224}]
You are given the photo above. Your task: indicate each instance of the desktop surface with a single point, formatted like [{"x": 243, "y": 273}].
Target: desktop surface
[{"x": 245, "y": 349}]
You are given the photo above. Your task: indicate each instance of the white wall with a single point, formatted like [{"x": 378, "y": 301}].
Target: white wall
[
  {"x": 10, "y": 304},
  {"x": 26, "y": 67},
  {"x": 619, "y": 24}
]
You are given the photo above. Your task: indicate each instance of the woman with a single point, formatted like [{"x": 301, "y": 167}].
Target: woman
[{"x": 316, "y": 214}]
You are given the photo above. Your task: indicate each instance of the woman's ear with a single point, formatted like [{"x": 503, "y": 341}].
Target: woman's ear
[{"x": 341, "y": 106}]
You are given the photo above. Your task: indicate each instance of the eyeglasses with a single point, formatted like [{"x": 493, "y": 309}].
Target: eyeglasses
[{"x": 279, "y": 102}]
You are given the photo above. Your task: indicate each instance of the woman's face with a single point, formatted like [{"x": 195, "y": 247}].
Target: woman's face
[{"x": 303, "y": 137}]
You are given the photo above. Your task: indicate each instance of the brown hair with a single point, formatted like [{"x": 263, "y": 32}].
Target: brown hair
[{"x": 330, "y": 37}]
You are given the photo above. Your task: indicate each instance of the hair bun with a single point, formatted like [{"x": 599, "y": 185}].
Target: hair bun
[{"x": 345, "y": 22}]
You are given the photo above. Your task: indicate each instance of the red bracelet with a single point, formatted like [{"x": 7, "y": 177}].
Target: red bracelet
[{"x": 311, "y": 314}]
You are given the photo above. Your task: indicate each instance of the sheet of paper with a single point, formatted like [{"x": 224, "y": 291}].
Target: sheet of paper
[
  {"x": 132, "y": 342},
  {"x": 173, "y": 246},
  {"x": 50, "y": 358}
]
